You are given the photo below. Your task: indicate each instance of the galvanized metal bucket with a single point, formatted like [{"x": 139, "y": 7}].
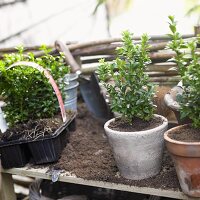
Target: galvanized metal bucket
[{"x": 70, "y": 91}]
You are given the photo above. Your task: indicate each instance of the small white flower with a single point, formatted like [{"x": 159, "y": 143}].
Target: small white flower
[
  {"x": 144, "y": 88},
  {"x": 116, "y": 73}
]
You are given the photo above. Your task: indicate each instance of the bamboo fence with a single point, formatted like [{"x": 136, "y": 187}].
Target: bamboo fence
[{"x": 88, "y": 54}]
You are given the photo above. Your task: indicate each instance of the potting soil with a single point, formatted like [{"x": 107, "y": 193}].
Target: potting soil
[
  {"x": 89, "y": 156},
  {"x": 136, "y": 125},
  {"x": 186, "y": 134},
  {"x": 33, "y": 129}
]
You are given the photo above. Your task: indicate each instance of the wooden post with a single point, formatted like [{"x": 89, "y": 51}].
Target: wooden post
[
  {"x": 7, "y": 187},
  {"x": 197, "y": 30},
  {"x": 78, "y": 60}
]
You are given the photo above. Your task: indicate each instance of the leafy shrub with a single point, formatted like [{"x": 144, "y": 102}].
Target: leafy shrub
[
  {"x": 188, "y": 62},
  {"x": 130, "y": 91},
  {"x": 27, "y": 91}
]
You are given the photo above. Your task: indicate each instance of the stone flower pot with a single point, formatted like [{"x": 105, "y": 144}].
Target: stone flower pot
[
  {"x": 186, "y": 158},
  {"x": 138, "y": 155},
  {"x": 171, "y": 101}
]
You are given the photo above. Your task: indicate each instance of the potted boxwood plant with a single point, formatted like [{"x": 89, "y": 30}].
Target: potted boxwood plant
[
  {"x": 137, "y": 135},
  {"x": 183, "y": 142},
  {"x": 30, "y": 93},
  {"x": 182, "y": 59}
]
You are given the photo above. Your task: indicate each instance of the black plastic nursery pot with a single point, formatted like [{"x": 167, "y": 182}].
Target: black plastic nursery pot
[
  {"x": 49, "y": 149},
  {"x": 44, "y": 150},
  {"x": 14, "y": 155}
]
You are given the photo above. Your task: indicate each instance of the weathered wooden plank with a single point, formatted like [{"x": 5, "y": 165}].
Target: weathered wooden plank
[
  {"x": 158, "y": 67},
  {"x": 66, "y": 177}
]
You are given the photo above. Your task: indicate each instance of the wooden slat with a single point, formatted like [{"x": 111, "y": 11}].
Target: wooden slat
[{"x": 66, "y": 177}]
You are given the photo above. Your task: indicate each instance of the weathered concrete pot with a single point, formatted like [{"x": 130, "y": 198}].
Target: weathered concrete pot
[
  {"x": 186, "y": 158},
  {"x": 138, "y": 154}
]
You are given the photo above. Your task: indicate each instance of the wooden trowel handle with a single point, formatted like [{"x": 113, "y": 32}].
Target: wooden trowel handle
[{"x": 75, "y": 68}]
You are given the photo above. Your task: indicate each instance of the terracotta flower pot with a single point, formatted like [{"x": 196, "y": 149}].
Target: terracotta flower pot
[
  {"x": 138, "y": 155},
  {"x": 186, "y": 158}
]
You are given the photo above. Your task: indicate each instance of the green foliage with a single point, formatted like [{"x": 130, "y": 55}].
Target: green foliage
[
  {"x": 190, "y": 104},
  {"x": 130, "y": 91},
  {"x": 188, "y": 61},
  {"x": 27, "y": 92},
  {"x": 178, "y": 45}
]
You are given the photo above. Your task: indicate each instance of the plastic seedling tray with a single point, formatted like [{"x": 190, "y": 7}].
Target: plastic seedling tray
[{"x": 18, "y": 153}]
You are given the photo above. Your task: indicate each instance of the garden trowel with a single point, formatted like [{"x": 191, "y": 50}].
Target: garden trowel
[{"x": 89, "y": 89}]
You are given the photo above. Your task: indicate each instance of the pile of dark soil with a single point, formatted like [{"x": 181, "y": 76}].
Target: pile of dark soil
[{"x": 89, "y": 156}]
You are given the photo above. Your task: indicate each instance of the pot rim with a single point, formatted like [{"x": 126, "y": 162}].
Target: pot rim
[
  {"x": 160, "y": 127},
  {"x": 71, "y": 76},
  {"x": 168, "y": 139},
  {"x": 71, "y": 87}
]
